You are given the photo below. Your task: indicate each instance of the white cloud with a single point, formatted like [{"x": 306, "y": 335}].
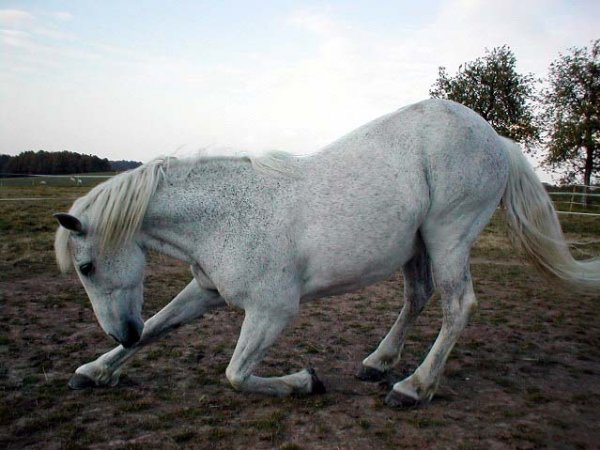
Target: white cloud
[
  {"x": 20, "y": 18},
  {"x": 315, "y": 21},
  {"x": 45, "y": 26},
  {"x": 62, "y": 16},
  {"x": 14, "y": 17},
  {"x": 354, "y": 75},
  {"x": 300, "y": 105},
  {"x": 41, "y": 43},
  {"x": 129, "y": 103},
  {"x": 14, "y": 38},
  {"x": 535, "y": 30}
]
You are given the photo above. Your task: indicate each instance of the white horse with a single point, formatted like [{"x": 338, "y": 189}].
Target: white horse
[{"x": 409, "y": 191}]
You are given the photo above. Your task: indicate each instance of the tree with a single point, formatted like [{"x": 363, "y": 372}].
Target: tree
[
  {"x": 3, "y": 160},
  {"x": 42, "y": 162},
  {"x": 122, "y": 165},
  {"x": 571, "y": 114},
  {"x": 491, "y": 86}
]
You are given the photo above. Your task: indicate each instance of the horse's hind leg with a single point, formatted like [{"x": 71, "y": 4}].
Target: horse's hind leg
[
  {"x": 418, "y": 288},
  {"x": 192, "y": 302},
  {"x": 450, "y": 263}
]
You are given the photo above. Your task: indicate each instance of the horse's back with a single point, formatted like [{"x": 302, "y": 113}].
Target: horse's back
[
  {"x": 436, "y": 148},
  {"x": 433, "y": 152},
  {"x": 367, "y": 195}
]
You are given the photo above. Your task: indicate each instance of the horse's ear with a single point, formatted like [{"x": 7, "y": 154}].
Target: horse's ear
[{"x": 70, "y": 222}]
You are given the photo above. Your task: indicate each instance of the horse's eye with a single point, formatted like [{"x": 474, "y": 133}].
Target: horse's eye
[{"x": 86, "y": 269}]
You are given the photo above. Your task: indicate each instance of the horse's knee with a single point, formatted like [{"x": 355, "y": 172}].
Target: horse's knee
[
  {"x": 235, "y": 378},
  {"x": 471, "y": 305},
  {"x": 467, "y": 304}
]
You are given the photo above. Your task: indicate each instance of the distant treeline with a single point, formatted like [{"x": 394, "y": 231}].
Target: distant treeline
[
  {"x": 123, "y": 165},
  {"x": 59, "y": 163}
]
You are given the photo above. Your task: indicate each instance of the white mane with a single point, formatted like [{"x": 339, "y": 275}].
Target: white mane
[{"x": 115, "y": 209}]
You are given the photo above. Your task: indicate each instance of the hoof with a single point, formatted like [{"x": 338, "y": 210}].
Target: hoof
[
  {"x": 398, "y": 400},
  {"x": 366, "y": 373},
  {"x": 79, "y": 381},
  {"x": 317, "y": 386}
]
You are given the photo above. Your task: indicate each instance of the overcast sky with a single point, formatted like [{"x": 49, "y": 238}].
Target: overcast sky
[{"x": 137, "y": 79}]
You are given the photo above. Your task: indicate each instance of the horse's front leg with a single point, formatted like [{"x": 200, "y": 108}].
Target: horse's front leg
[
  {"x": 262, "y": 325},
  {"x": 192, "y": 302}
]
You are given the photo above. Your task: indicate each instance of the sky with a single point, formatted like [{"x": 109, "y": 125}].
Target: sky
[{"x": 139, "y": 79}]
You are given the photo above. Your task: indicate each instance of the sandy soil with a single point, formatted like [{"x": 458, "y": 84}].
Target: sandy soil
[{"x": 525, "y": 373}]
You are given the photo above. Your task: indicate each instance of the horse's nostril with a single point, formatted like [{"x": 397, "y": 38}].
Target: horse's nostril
[{"x": 133, "y": 335}]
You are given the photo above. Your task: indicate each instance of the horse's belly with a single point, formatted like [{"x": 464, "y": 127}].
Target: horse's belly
[
  {"x": 359, "y": 240},
  {"x": 334, "y": 273}
]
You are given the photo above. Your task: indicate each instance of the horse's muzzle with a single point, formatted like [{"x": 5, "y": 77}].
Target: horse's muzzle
[{"x": 131, "y": 336}]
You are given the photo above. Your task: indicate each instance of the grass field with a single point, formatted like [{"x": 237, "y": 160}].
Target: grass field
[
  {"x": 525, "y": 373},
  {"x": 81, "y": 180}
]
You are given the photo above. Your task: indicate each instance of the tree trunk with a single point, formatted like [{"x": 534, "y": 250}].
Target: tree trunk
[{"x": 587, "y": 175}]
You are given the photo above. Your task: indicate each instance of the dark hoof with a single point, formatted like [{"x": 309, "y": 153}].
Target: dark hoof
[
  {"x": 366, "y": 373},
  {"x": 79, "y": 381},
  {"x": 398, "y": 400},
  {"x": 317, "y": 386}
]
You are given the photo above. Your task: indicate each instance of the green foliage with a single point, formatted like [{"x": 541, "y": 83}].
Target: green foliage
[
  {"x": 571, "y": 115},
  {"x": 491, "y": 86}
]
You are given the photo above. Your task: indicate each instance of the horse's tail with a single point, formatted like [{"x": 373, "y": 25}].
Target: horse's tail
[{"x": 534, "y": 227}]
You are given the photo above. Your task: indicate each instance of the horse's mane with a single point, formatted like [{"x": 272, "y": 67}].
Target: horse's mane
[{"x": 116, "y": 208}]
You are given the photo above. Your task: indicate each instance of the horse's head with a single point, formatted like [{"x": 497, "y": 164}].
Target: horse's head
[{"x": 112, "y": 278}]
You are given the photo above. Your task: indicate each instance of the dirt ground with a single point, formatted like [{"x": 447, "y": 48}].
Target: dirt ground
[{"x": 524, "y": 374}]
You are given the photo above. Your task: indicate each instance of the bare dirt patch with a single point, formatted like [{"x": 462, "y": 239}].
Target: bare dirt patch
[{"x": 524, "y": 374}]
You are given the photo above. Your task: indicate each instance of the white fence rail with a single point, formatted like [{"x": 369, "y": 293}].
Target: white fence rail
[
  {"x": 578, "y": 198},
  {"x": 575, "y": 198},
  {"x": 11, "y": 179},
  {"x": 33, "y": 199}
]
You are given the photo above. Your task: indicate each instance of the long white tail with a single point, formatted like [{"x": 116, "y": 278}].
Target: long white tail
[{"x": 534, "y": 227}]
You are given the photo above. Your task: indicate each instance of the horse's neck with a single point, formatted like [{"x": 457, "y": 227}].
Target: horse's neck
[{"x": 191, "y": 203}]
